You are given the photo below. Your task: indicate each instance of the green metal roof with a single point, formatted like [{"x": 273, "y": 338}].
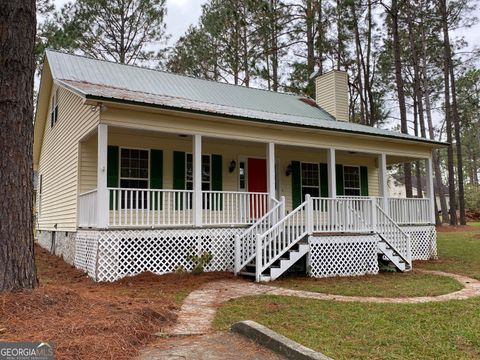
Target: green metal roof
[{"x": 117, "y": 82}]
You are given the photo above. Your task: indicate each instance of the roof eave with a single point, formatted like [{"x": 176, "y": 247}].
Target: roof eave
[{"x": 200, "y": 112}]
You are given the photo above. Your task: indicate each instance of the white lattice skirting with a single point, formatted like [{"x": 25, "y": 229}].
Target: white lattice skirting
[
  {"x": 423, "y": 240},
  {"x": 121, "y": 253},
  {"x": 343, "y": 255},
  {"x": 86, "y": 246}
]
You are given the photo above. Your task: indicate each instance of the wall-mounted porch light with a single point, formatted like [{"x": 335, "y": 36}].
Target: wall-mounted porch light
[
  {"x": 233, "y": 166},
  {"x": 288, "y": 172}
]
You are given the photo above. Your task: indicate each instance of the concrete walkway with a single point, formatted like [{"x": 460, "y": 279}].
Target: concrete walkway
[
  {"x": 198, "y": 310},
  {"x": 213, "y": 346}
]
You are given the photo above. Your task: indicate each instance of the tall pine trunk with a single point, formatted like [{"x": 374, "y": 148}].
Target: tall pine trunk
[
  {"x": 448, "y": 112},
  {"x": 435, "y": 156},
  {"x": 17, "y": 38},
  {"x": 458, "y": 140},
  {"x": 394, "y": 13}
]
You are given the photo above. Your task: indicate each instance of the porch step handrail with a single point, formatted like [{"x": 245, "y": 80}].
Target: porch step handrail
[
  {"x": 245, "y": 243},
  {"x": 282, "y": 236},
  {"x": 393, "y": 235}
]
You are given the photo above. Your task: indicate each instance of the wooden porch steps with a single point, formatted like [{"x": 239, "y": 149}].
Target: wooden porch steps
[
  {"x": 285, "y": 262},
  {"x": 390, "y": 254}
]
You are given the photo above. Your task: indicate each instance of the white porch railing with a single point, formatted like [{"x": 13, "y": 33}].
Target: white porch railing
[
  {"x": 343, "y": 214},
  {"x": 170, "y": 208},
  {"x": 409, "y": 211},
  {"x": 87, "y": 209},
  {"x": 233, "y": 207},
  {"x": 404, "y": 211},
  {"x": 150, "y": 207}
]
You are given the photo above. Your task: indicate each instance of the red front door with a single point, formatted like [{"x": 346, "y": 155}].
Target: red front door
[{"x": 257, "y": 182}]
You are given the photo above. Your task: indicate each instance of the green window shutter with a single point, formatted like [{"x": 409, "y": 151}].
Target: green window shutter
[
  {"x": 216, "y": 172},
  {"x": 217, "y": 180},
  {"x": 179, "y": 170},
  {"x": 323, "y": 180},
  {"x": 339, "y": 175},
  {"x": 179, "y": 160},
  {"x": 156, "y": 177},
  {"x": 112, "y": 170},
  {"x": 296, "y": 184},
  {"x": 363, "y": 181}
]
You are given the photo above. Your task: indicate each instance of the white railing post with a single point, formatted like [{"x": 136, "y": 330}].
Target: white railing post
[
  {"x": 282, "y": 207},
  {"x": 271, "y": 169},
  {"x": 374, "y": 215},
  {"x": 430, "y": 190},
  {"x": 197, "y": 180},
  {"x": 309, "y": 214},
  {"x": 383, "y": 181},
  {"x": 409, "y": 250},
  {"x": 237, "y": 254},
  {"x": 331, "y": 171},
  {"x": 103, "y": 205},
  {"x": 258, "y": 257}
]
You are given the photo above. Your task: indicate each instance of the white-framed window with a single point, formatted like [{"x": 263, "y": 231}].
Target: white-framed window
[
  {"x": 134, "y": 174},
  {"x": 206, "y": 172},
  {"x": 54, "y": 108},
  {"x": 242, "y": 174},
  {"x": 206, "y": 177},
  {"x": 351, "y": 180},
  {"x": 310, "y": 179}
]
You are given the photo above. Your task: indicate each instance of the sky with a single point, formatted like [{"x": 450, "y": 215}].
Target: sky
[{"x": 180, "y": 15}]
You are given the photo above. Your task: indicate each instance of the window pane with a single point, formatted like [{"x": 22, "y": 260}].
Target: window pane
[
  {"x": 310, "y": 180},
  {"x": 242, "y": 174},
  {"x": 352, "y": 180},
  {"x": 189, "y": 170},
  {"x": 312, "y": 191},
  {"x": 352, "y": 192},
  {"x": 206, "y": 168},
  {"x": 134, "y": 165},
  {"x": 310, "y": 174}
]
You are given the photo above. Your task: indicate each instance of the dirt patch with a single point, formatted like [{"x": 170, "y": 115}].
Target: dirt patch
[
  {"x": 455, "y": 228},
  {"x": 88, "y": 320}
]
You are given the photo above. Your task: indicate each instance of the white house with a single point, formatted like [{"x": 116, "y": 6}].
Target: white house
[{"x": 138, "y": 169}]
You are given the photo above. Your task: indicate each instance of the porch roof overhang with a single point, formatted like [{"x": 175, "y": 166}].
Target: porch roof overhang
[{"x": 101, "y": 93}]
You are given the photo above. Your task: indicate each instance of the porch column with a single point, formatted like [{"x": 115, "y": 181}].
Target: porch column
[
  {"x": 383, "y": 180},
  {"x": 430, "y": 190},
  {"x": 271, "y": 169},
  {"x": 102, "y": 191},
  {"x": 332, "y": 177},
  {"x": 197, "y": 180}
]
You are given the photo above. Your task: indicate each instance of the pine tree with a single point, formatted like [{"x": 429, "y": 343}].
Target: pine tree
[{"x": 17, "y": 263}]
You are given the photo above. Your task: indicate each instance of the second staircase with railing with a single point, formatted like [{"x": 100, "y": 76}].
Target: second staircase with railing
[{"x": 275, "y": 242}]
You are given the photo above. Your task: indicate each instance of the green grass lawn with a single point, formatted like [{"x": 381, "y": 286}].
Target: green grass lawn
[
  {"x": 383, "y": 285},
  {"x": 458, "y": 252},
  {"x": 447, "y": 330}
]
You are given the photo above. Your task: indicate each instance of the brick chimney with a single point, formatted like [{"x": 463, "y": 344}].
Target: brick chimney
[{"x": 331, "y": 93}]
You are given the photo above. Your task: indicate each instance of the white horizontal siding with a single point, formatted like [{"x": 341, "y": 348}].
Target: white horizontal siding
[{"x": 59, "y": 161}]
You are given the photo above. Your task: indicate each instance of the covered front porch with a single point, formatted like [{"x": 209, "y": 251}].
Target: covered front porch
[{"x": 133, "y": 179}]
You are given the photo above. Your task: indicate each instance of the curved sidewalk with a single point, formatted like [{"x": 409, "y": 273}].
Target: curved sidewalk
[{"x": 198, "y": 310}]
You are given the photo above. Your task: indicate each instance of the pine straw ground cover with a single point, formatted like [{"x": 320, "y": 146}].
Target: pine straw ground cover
[
  {"x": 445, "y": 330},
  {"x": 87, "y": 320}
]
